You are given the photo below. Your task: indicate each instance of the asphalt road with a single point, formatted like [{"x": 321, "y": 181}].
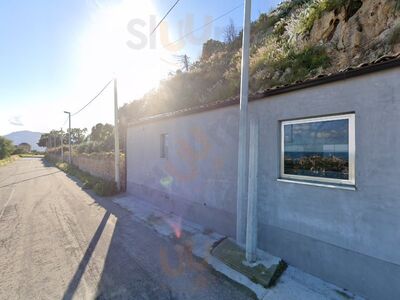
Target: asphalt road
[{"x": 60, "y": 242}]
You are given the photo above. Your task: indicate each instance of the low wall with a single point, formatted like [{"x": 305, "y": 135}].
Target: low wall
[{"x": 97, "y": 164}]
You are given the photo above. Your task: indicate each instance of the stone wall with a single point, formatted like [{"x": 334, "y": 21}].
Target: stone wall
[{"x": 97, "y": 164}]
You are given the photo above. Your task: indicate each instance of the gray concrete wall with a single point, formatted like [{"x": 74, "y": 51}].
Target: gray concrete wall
[
  {"x": 199, "y": 176},
  {"x": 350, "y": 238}
]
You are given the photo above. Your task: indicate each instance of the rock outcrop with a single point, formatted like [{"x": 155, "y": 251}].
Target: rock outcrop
[{"x": 357, "y": 34}]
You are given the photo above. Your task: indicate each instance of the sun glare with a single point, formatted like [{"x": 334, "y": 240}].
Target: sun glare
[{"x": 106, "y": 51}]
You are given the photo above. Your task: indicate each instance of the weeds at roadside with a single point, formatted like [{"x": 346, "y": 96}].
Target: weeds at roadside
[
  {"x": 100, "y": 186},
  {"x": 8, "y": 160}
]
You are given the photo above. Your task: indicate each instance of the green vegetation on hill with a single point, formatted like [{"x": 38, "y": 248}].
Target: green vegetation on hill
[{"x": 285, "y": 47}]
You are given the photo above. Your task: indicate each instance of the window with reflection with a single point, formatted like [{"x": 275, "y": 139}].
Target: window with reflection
[{"x": 319, "y": 149}]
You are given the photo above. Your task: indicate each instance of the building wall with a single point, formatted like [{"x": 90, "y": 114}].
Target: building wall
[
  {"x": 348, "y": 237},
  {"x": 198, "y": 179}
]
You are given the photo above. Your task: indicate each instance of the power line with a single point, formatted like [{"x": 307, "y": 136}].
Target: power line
[
  {"x": 166, "y": 15},
  {"x": 104, "y": 88},
  {"x": 205, "y": 25}
]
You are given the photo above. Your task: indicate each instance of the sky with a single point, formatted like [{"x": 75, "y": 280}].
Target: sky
[{"x": 57, "y": 55}]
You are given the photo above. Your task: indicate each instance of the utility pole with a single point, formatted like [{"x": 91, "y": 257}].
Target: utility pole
[
  {"x": 251, "y": 236},
  {"x": 69, "y": 137},
  {"x": 62, "y": 145},
  {"x": 243, "y": 127},
  {"x": 116, "y": 137},
  {"x": 186, "y": 62}
]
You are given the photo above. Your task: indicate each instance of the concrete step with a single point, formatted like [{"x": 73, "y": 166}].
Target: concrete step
[{"x": 265, "y": 272}]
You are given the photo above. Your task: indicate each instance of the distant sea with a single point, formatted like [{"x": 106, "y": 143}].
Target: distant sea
[{"x": 299, "y": 155}]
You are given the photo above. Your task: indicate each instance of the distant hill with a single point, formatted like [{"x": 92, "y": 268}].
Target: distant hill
[{"x": 25, "y": 137}]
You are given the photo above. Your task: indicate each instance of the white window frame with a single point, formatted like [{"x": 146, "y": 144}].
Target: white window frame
[{"x": 352, "y": 149}]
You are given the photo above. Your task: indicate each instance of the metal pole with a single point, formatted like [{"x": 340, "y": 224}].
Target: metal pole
[
  {"x": 69, "y": 138},
  {"x": 251, "y": 236},
  {"x": 243, "y": 126},
  {"x": 62, "y": 145},
  {"x": 69, "y": 142},
  {"x": 116, "y": 138}
]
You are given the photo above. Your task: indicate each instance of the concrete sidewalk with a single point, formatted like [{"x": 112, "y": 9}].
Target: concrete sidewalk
[{"x": 292, "y": 285}]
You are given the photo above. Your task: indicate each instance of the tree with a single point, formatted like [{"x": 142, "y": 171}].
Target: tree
[
  {"x": 24, "y": 148},
  {"x": 211, "y": 47},
  {"x": 53, "y": 138},
  {"x": 6, "y": 147},
  {"x": 44, "y": 139},
  {"x": 101, "y": 132},
  {"x": 230, "y": 33},
  {"x": 78, "y": 136}
]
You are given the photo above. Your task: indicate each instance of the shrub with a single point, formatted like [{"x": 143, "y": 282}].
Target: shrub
[
  {"x": 276, "y": 18},
  {"x": 303, "y": 63},
  {"x": 314, "y": 11},
  {"x": 287, "y": 7},
  {"x": 8, "y": 160},
  {"x": 100, "y": 186},
  {"x": 96, "y": 146},
  {"x": 105, "y": 188},
  {"x": 6, "y": 148},
  {"x": 210, "y": 47},
  {"x": 394, "y": 37}
]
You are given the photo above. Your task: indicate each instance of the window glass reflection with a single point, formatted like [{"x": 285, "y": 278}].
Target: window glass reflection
[{"x": 317, "y": 149}]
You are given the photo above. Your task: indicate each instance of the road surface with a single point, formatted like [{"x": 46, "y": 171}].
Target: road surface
[{"x": 60, "y": 242}]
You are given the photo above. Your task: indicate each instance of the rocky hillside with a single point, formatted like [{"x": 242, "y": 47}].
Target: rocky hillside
[
  {"x": 298, "y": 40},
  {"x": 353, "y": 32}
]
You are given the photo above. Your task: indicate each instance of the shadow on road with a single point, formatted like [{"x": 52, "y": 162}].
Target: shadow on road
[
  {"x": 28, "y": 179},
  {"x": 74, "y": 283},
  {"x": 123, "y": 276},
  {"x": 141, "y": 265}
]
